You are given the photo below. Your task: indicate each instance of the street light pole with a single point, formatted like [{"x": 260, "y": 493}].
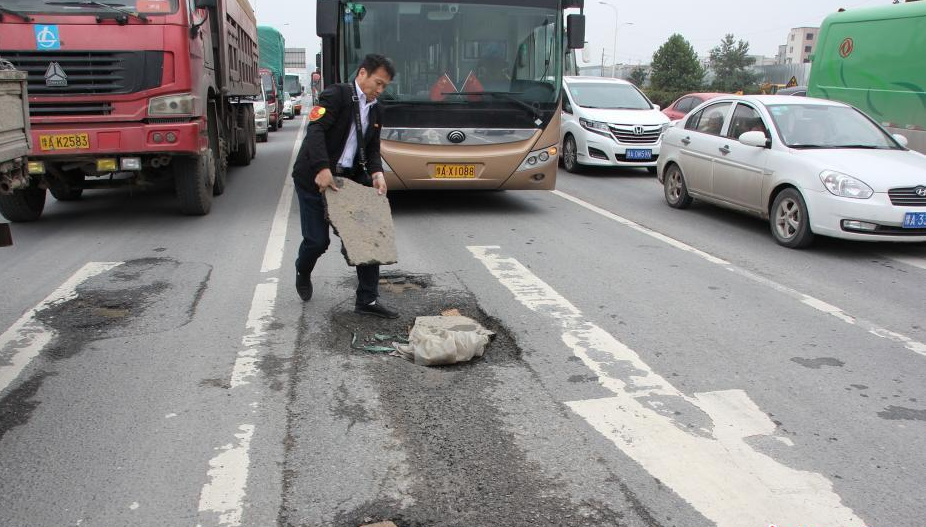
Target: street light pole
[{"x": 614, "y": 53}]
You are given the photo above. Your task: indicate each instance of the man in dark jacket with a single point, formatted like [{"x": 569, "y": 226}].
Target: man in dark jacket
[{"x": 331, "y": 148}]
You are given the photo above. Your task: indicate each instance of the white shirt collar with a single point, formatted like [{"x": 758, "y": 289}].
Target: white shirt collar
[{"x": 360, "y": 95}]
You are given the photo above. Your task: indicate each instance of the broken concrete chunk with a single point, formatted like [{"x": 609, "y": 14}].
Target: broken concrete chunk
[
  {"x": 453, "y": 312},
  {"x": 363, "y": 220},
  {"x": 435, "y": 341}
]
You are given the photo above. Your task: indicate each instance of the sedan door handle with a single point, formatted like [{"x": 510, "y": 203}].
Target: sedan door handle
[
  {"x": 725, "y": 149},
  {"x": 686, "y": 141}
]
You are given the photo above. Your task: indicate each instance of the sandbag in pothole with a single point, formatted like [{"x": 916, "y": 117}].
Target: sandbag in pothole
[{"x": 436, "y": 341}]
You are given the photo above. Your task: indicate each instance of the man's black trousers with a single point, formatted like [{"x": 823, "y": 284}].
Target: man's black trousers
[{"x": 315, "y": 241}]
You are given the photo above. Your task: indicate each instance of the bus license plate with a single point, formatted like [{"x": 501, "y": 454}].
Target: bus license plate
[
  {"x": 64, "y": 142},
  {"x": 455, "y": 171},
  {"x": 914, "y": 220},
  {"x": 639, "y": 154}
]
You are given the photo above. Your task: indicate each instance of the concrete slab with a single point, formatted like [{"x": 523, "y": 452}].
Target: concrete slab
[{"x": 363, "y": 220}]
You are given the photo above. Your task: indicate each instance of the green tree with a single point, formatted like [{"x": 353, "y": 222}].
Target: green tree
[
  {"x": 731, "y": 64},
  {"x": 638, "y": 76},
  {"x": 675, "y": 67}
]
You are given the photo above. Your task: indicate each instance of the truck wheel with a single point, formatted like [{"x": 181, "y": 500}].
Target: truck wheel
[
  {"x": 262, "y": 138},
  {"x": 23, "y": 205},
  {"x": 194, "y": 178},
  {"x": 245, "y": 152},
  {"x": 253, "y": 137},
  {"x": 219, "y": 147},
  {"x": 272, "y": 126},
  {"x": 69, "y": 189}
]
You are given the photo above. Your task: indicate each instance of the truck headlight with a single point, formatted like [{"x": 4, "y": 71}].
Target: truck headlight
[
  {"x": 844, "y": 186},
  {"x": 260, "y": 113},
  {"x": 180, "y": 104}
]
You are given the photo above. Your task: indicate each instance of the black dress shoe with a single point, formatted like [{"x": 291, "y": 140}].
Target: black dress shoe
[
  {"x": 304, "y": 286},
  {"x": 376, "y": 309}
]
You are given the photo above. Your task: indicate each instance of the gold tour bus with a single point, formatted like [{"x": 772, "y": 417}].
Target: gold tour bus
[{"x": 475, "y": 103}]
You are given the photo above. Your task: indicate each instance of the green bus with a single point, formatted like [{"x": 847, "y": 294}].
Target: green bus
[{"x": 875, "y": 60}]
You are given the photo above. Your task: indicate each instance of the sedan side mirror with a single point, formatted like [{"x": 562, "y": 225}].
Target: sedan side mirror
[
  {"x": 756, "y": 139},
  {"x": 657, "y": 107},
  {"x": 902, "y": 139}
]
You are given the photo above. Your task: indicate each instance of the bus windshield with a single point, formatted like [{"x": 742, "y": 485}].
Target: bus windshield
[{"x": 480, "y": 55}]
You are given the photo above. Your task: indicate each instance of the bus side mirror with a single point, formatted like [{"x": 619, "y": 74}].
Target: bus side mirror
[
  {"x": 575, "y": 31},
  {"x": 326, "y": 18},
  {"x": 318, "y": 61}
]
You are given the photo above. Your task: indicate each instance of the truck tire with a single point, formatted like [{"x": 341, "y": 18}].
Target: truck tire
[
  {"x": 23, "y": 205},
  {"x": 245, "y": 152},
  {"x": 194, "y": 178},
  {"x": 219, "y": 146},
  {"x": 69, "y": 189}
]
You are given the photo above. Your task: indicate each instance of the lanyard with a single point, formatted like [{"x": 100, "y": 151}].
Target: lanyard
[{"x": 358, "y": 126}]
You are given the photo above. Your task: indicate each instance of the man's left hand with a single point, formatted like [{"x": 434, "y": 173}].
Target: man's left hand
[{"x": 379, "y": 183}]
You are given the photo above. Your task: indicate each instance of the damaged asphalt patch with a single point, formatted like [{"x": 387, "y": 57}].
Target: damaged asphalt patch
[
  {"x": 459, "y": 464},
  {"x": 139, "y": 297}
]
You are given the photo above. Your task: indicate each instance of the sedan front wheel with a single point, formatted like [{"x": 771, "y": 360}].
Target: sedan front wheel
[
  {"x": 789, "y": 220},
  {"x": 675, "y": 189}
]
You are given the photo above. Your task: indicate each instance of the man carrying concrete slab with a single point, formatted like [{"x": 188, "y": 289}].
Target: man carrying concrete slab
[{"x": 342, "y": 140}]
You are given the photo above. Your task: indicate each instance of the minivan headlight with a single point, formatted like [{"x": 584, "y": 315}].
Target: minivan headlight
[
  {"x": 595, "y": 126},
  {"x": 845, "y": 186},
  {"x": 179, "y": 104}
]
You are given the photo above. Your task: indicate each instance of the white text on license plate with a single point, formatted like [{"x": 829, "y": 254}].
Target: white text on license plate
[
  {"x": 914, "y": 220},
  {"x": 639, "y": 154},
  {"x": 454, "y": 171}
]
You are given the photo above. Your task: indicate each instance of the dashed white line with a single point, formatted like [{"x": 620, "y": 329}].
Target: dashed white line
[
  {"x": 276, "y": 242},
  {"x": 222, "y": 498},
  {"x": 24, "y": 340},
  {"x": 223, "y": 494},
  {"x": 715, "y": 469},
  {"x": 810, "y": 301}
]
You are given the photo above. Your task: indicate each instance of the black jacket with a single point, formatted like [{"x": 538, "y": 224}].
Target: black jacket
[{"x": 325, "y": 137}]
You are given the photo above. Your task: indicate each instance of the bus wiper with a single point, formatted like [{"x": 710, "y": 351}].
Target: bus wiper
[
  {"x": 866, "y": 147},
  {"x": 8, "y": 11},
  {"x": 508, "y": 96},
  {"x": 94, "y": 3}
]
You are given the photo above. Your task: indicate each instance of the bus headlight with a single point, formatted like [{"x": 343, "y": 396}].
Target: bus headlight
[
  {"x": 179, "y": 104},
  {"x": 538, "y": 158}
]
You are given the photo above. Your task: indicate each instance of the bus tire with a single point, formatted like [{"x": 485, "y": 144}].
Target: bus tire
[
  {"x": 194, "y": 178},
  {"x": 23, "y": 205}
]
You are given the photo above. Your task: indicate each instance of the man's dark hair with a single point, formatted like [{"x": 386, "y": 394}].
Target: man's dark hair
[{"x": 374, "y": 61}]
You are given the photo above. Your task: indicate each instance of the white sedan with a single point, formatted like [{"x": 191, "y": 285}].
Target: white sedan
[{"x": 810, "y": 166}]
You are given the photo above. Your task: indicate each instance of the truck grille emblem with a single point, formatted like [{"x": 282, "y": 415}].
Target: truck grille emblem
[{"x": 55, "y": 75}]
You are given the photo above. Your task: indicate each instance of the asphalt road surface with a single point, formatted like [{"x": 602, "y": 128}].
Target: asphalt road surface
[{"x": 651, "y": 367}]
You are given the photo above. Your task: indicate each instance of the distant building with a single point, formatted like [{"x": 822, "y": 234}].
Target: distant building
[
  {"x": 782, "y": 52},
  {"x": 800, "y": 45}
]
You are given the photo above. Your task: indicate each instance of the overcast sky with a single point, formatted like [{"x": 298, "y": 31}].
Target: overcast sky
[{"x": 764, "y": 24}]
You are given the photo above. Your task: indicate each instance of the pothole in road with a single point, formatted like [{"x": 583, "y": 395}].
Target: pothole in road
[
  {"x": 144, "y": 296},
  {"x": 464, "y": 465}
]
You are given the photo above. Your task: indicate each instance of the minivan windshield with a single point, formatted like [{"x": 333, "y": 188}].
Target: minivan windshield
[
  {"x": 822, "y": 126},
  {"x": 610, "y": 96}
]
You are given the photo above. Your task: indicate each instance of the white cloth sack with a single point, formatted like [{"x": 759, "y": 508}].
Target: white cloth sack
[{"x": 435, "y": 341}]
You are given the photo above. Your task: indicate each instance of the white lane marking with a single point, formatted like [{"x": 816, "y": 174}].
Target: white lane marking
[
  {"x": 24, "y": 340},
  {"x": 819, "y": 305},
  {"x": 170, "y": 416},
  {"x": 715, "y": 470},
  {"x": 134, "y": 505},
  {"x": 276, "y": 242},
  {"x": 257, "y": 326},
  {"x": 223, "y": 494}
]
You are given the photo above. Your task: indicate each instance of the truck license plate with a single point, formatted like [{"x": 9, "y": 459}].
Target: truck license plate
[
  {"x": 454, "y": 171},
  {"x": 64, "y": 142}
]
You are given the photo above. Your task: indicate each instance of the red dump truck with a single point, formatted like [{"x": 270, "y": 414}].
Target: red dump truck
[{"x": 132, "y": 94}]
